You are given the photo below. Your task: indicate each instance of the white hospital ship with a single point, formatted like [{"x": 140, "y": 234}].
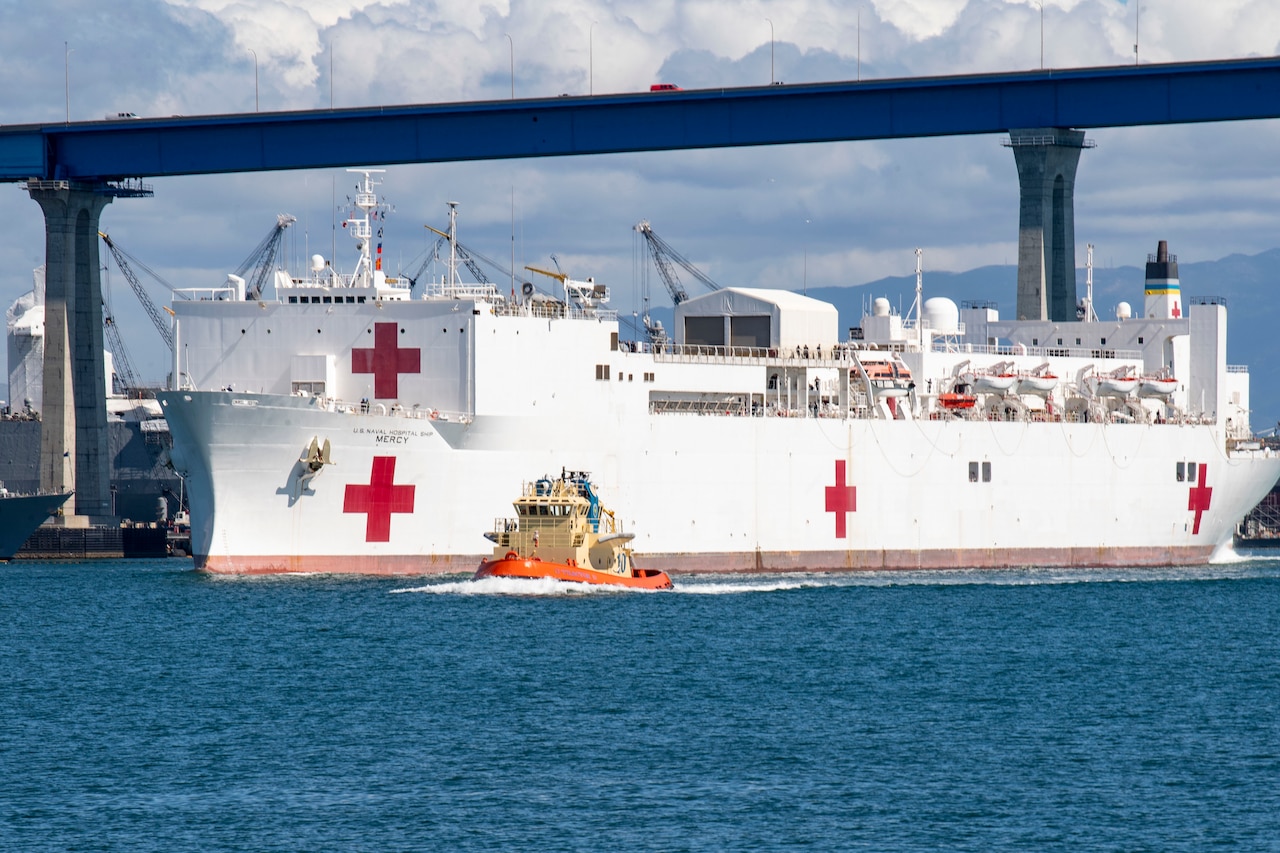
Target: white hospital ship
[{"x": 343, "y": 423}]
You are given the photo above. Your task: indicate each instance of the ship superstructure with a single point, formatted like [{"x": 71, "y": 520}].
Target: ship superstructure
[{"x": 348, "y": 423}]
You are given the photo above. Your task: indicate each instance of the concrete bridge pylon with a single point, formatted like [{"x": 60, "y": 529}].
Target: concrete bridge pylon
[
  {"x": 73, "y": 434},
  {"x": 1047, "y": 158}
]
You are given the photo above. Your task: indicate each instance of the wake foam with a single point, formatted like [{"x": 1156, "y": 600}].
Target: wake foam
[
  {"x": 1231, "y": 565},
  {"x": 518, "y": 586}
]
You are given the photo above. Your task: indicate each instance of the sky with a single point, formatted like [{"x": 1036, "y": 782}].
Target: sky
[{"x": 793, "y": 217}]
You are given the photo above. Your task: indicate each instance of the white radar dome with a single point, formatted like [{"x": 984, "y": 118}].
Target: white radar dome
[
  {"x": 317, "y": 263},
  {"x": 1124, "y": 311},
  {"x": 880, "y": 307},
  {"x": 942, "y": 315}
]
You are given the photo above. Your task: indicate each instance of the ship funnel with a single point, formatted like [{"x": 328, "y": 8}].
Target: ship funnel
[{"x": 1162, "y": 291}]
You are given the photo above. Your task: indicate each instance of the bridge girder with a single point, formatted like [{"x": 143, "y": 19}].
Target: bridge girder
[{"x": 1082, "y": 98}]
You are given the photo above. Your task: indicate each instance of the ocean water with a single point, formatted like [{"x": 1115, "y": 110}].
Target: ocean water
[{"x": 146, "y": 707}]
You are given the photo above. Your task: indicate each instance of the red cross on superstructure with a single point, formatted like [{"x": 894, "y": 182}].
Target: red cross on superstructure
[
  {"x": 1200, "y": 497},
  {"x": 379, "y": 499},
  {"x": 841, "y": 499},
  {"x": 386, "y": 361},
  {"x": 1176, "y": 311}
]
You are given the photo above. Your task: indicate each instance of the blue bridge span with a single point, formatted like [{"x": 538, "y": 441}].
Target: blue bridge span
[{"x": 708, "y": 118}]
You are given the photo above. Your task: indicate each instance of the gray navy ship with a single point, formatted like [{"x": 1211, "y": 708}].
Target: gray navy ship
[{"x": 143, "y": 487}]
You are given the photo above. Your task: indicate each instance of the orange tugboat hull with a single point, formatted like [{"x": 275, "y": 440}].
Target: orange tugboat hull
[{"x": 533, "y": 568}]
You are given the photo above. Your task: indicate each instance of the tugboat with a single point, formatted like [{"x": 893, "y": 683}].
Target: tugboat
[{"x": 562, "y": 531}]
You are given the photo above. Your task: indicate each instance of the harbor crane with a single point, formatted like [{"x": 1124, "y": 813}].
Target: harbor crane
[
  {"x": 123, "y": 260},
  {"x": 122, "y": 365},
  {"x": 665, "y": 258},
  {"x": 262, "y": 260}
]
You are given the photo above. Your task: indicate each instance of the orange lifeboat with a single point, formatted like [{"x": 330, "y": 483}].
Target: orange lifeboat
[
  {"x": 956, "y": 401},
  {"x": 563, "y": 532}
]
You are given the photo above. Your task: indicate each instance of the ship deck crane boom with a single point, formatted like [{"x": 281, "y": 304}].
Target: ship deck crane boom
[
  {"x": 468, "y": 255},
  {"x": 262, "y": 259},
  {"x": 464, "y": 254}
]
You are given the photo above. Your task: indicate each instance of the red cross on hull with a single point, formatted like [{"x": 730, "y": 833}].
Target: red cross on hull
[
  {"x": 842, "y": 499},
  {"x": 1200, "y": 497},
  {"x": 386, "y": 361},
  {"x": 379, "y": 499}
]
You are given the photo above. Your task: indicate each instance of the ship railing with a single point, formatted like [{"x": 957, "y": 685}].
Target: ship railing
[
  {"x": 553, "y": 534},
  {"x": 715, "y": 405},
  {"x": 416, "y": 412},
  {"x": 443, "y": 290},
  {"x": 816, "y": 355},
  {"x": 912, "y": 324},
  {"x": 207, "y": 294},
  {"x": 551, "y": 310},
  {"x": 1038, "y": 351}
]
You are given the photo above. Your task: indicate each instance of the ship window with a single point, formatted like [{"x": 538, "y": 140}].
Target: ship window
[
  {"x": 327, "y": 300},
  {"x": 1077, "y": 342},
  {"x": 1140, "y": 339},
  {"x": 315, "y": 300},
  {"x": 293, "y": 300},
  {"x": 613, "y": 340},
  {"x": 631, "y": 377},
  {"x": 1059, "y": 341},
  {"x": 1191, "y": 471},
  {"x": 360, "y": 299},
  {"x": 1035, "y": 342},
  {"x": 973, "y": 472},
  {"x": 1102, "y": 342},
  {"x": 1182, "y": 472},
  {"x": 986, "y": 472}
]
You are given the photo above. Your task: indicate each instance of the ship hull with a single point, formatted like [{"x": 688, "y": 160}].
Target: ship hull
[
  {"x": 20, "y": 515},
  {"x": 535, "y": 569},
  {"x": 412, "y": 496}
]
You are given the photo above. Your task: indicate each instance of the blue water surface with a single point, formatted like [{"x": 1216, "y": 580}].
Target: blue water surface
[{"x": 147, "y": 707}]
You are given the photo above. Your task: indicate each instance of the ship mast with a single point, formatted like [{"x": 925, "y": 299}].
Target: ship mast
[
  {"x": 918, "y": 306},
  {"x": 360, "y": 225},
  {"x": 1089, "y": 315},
  {"x": 453, "y": 244}
]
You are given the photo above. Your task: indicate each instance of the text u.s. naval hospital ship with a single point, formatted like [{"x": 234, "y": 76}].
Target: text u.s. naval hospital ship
[{"x": 341, "y": 423}]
